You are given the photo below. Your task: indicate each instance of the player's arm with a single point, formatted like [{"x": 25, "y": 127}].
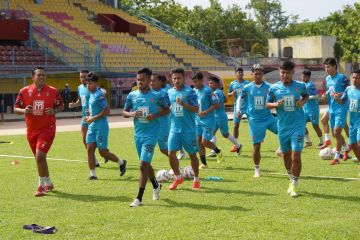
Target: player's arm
[
  {"x": 19, "y": 107},
  {"x": 215, "y": 104},
  {"x": 58, "y": 106},
  {"x": 192, "y": 106},
  {"x": 127, "y": 112},
  {"x": 230, "y": 91},
  {"x": 304, "y": 97},
  {"x": 272, "y": 102},
  {"x": 75, "y": 104},
  {"x": 103, "y": 113}
]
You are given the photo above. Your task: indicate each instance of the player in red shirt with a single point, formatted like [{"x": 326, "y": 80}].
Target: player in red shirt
[{"x": 39, "y": 102}]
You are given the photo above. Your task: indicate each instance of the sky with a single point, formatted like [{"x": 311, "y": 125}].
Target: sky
[{"x": 306, "y": 9}]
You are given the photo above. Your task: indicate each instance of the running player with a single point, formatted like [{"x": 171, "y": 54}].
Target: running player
[
  {"x": 143, "y": 105},
  {"x": 83, "y": 101},
  {"x": 158, "y": 85},
  {"x": 221, "y": 118},
  {"x": 39, "y": 103},
  {"x": 98, "y": 130},
  {"x": 235, "y": 90},
  {"x": 205, "y": 119},
  {"x": 288, "y": 97},
  {"x": 184, "y": 105},
  {"x": 260, "y": 118},
  {"x": 311, "y": 109},
  {"x": 336, "y": 83},
  {"x": 351, "y": 96}
]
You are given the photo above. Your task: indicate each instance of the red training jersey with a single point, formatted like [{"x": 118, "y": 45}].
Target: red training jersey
[{"x": 47, "y": 97}]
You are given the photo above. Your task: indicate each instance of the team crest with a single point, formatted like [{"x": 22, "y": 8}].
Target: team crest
[{"x": 30, "y": 93}]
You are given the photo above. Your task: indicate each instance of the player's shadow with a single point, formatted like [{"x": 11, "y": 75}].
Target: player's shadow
[
  {"x": 228, "y": 191},
  {"x": 88, "y": 197},
  {"x": 120, "y": 179},
  {"x": 243, "y": 169},
  {"x": 332, "y": 197},
  {"x": 309, "y": 177},
  {"x": 198, "y": 206}
]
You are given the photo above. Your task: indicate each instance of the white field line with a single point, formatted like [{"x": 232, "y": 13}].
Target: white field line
[{"x": 280, "y": 174}]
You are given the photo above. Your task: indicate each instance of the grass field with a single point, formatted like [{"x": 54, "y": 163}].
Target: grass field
[{"x": 240, "y": 207}]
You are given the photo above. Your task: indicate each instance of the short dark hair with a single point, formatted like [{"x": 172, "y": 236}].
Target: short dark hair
[
  {"x": 356, "y": 71},
  {"x": 92, "y": 77},
  {"x": 178, "y": 70},
  {"x": 198, "y": 76},
  {"x": 330, "y": 61},
  {"x": 162, "y": 78},
  {"x": 84, "y": 71},
  {"x": 306, "y": 72},
  {"x": 146, "y": 71},
  {"x": 239, "y": 69},
  {"x": 215, "y": 79},
  {"x": 37, "y": 68},
  {"x": 287, "y": 65}
]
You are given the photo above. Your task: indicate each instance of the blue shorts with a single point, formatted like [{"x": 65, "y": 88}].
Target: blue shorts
[
  {"x": 292, "y": 139},
  {"x": 205, "y": 131},
  {"x": 187, "y": 140},
  {"x": 338, "y": 120},
  {"x": 98, "y": 136},
  {"x": 258, "y": 129},
  {"x": 237, "y": 119},
  {"x": 84, "y": 124},
  {"x": 145, "y": 147},
  {"x": 312, "y": 117},
  {"x": 163, "y": 139},
  {"x": 223, "y": 125},
  {"x": 354, "y": 134}
]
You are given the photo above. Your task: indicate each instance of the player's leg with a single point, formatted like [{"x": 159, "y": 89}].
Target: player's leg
[
  {"x": 256, "y": 158},
  {"x": 257, "y": 134},
  {"x": 207, "y": 134},
  {"x": 285, "y": 147},
  {"x": 43, "y": 144},
  {"x": 102, "y": 145},
  {"x": 84, "y": 129},
  {"x": 325, "y": 123},
  {"x": 308, "y": 142},
  {"x": 163, "y": 142},
  {"x": 174, "y": 145},
  {"x": 91, "y": 147},
  {"x": 199, "y": 133},
  {"x": 336, "y": 126},
  {"x": 315, "y": 125},
  {"x": 224, "y": 129},
  {"x": 354, "y": 140},
  {"x": 191, "y": 146},
  {"x": 236, "y": 130},
  {"x": 297, "y": 144}
]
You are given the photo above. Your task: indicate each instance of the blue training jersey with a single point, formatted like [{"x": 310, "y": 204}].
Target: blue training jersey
[
  {"x": 206, "y": 98},
  {"x": 311, "y": 105},
  {"x": 164, "y": 120},
  {"x": 97, "y": 103},
  {"x": 288, "y": 115},
  {"x": 254, "y": 100},
  {"x": 237, "y": 88},
  {"x": 351, "y": 97},
  {"x": 182, "y": 120},
  {"x": 148, "y": 103},
  {"x": 220, "y": 113},
  {"x": 337, "y": 83},
  {"x": 84, "y": 96}
]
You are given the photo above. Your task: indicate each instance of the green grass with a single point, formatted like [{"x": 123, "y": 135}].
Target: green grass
[{"x": 240, "y": 207}]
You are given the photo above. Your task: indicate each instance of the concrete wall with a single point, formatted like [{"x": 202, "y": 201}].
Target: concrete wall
[{"x": 303, "y": 47}]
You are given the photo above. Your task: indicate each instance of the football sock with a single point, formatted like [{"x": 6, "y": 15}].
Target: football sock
[
  {"x": 337, "y": 155},
  {"x": 154, "y": 182},
  {"x": 48, "y": 181},
  {"x": 178, "y": 177},
  {"x": 121, "y": 162},
  {"x": 92, "y": 173},
  {"x": 289, "y": 172},
  {"x": 233, "y": 140},
  {"x": 257, "y": 167},
  {"x": 327, "y": 137},
  {"x": 320, "y": 140},
  {"x": 295, "y": 181},
  {"x": 140, "y": 194},
  {"x": 203, "y": 159},
  {"x": 216, "y": 150},
  {"x": 196, "y": 179},
  {"x": 42, "y": 181}
]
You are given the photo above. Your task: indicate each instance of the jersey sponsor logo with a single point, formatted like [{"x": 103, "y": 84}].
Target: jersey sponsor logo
[
  {"x": 259, "y": 102},
  {"x": 145, "y": 112},
  {"x": 178, "y": 110},
  {"x": 38, "y": 107},
  {"x": 289, "y": 103},
  {"x": 353, "y": 106}
]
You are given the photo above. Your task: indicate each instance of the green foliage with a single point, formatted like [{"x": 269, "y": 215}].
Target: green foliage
[{"x": 257, "y": 49}]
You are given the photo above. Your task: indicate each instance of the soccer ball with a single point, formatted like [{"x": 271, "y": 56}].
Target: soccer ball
[
  {"x": 162, "y": 176},
  {"x": 326, "y": 153},
  {"x": 188, "y": 172}
]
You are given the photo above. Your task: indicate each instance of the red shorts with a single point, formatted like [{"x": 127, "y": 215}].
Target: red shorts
[{"x": 41, "y": 139}]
